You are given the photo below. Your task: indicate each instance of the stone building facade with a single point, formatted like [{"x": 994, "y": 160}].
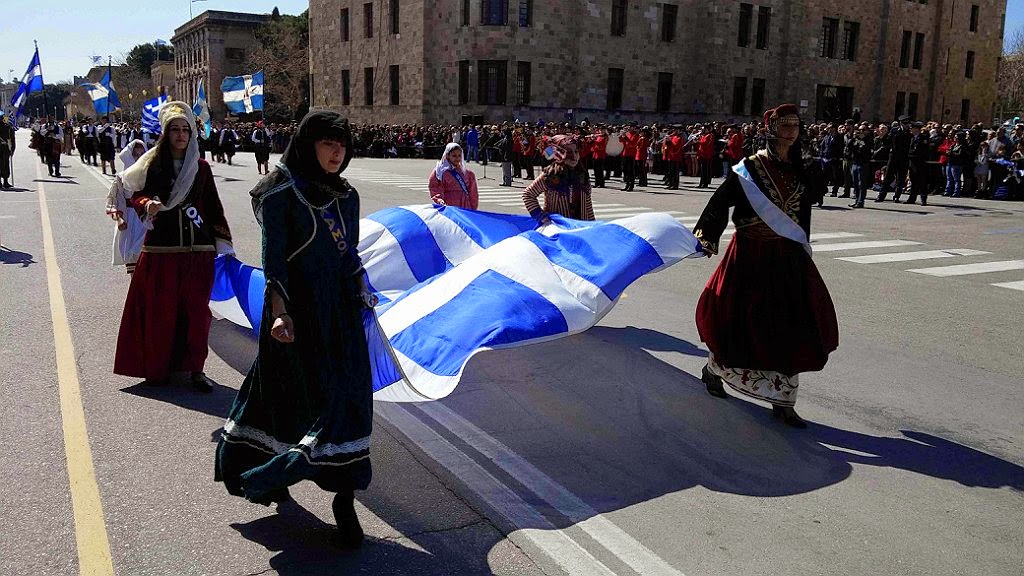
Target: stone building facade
[
  {"x": 211, "y": 46},
  {"x": 424, "y": 61}
]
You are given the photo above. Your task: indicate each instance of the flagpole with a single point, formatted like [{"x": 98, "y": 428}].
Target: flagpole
[
  {"x": 110, "y": 83},
  {"x": 46, "y": 102}
]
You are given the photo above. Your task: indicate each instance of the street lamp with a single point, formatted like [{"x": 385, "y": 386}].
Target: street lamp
[{"x": 131, "y": 110}]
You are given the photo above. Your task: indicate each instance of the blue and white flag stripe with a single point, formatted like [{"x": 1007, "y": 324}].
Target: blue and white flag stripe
[
  {"x": 151, "y": 113},
  {"x": 456, "y": 282},
  {"x": 243, "y": 94},
  {"x": 31, "y": 82}
]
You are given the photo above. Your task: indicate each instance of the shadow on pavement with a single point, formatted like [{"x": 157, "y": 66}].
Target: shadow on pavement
[
  {"x": 305, "y": 549},
  {"x": 8, "y": 256},
  {"x": 615, "y": 426},
  {"x": 216, "y": 403}
]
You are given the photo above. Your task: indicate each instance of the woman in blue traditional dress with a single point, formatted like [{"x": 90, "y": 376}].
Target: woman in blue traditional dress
[
  {"x": 304, "y": 412},
  {"x": 765, "y": 314}
]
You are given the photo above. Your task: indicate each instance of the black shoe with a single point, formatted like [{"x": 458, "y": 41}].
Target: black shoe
[
  {"x": 350, "y": 533},
  {"x": 201, "y": 383},
  {"x": 924, "y": 202},
  {"x": 789, "y": 416},
  {"x": 279, "y": 496},
  {"x": 155, "y": 382},
  {"x": 57, "y": 175},
  {"x": 713, "y": 383},
  {"x": 854, "y": 205}
]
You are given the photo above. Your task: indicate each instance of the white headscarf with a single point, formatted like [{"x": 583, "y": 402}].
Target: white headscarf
[
  {"x": 134, "y": 178},
  {"x": 443, "y": 164},
  {"x": 125, "y": 155}
]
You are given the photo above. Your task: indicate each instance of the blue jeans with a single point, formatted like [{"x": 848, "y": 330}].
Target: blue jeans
[
  {"x": 472, "y": 153},
  {"x": 953, "y": 185},
  {"x": 860, "y": 189}
]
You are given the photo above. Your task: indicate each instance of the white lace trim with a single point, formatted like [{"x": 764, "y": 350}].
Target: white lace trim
[{"x": 316, "y": 450}]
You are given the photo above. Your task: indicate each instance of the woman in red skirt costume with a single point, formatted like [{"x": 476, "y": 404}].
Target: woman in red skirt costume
[
  {"x": 765, "y": 314},
  {"x": 166, "y": 321}
]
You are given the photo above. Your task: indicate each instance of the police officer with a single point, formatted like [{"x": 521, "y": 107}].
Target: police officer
[{"x": 7, "y": 146}]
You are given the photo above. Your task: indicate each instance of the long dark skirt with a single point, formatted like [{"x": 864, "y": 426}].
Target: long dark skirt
[
  {"x": 304, "y": 412},
  {"x": 767, "y": 308}
]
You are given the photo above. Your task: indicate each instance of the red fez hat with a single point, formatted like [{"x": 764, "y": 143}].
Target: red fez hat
[{"x": 780, "y": 111}]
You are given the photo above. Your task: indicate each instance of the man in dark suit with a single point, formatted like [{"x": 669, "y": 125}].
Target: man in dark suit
[
  {"x": 917, "y": 155},
  {"x": 7, "y": 146},
  {"x": 896, "y": 169}
]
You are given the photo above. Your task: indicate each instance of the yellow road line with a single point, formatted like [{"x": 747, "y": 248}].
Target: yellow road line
[{"x": 90, "y": 528}]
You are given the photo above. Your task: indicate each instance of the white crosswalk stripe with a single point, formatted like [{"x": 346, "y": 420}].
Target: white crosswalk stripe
[
  {"x": 909, "y": 256},
  {"x": 861, "y": 245},
  {"x": 833, "y": 235},
  {"x": 966, "y": 269},
  {"x": 1018, "y": 285}
]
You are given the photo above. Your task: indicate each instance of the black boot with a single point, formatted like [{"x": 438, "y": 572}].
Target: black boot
[
  {"x": 789, "y": 416},
  {"x": 713, "y": 383},
  {"x": 201, "y": 383},
  {"x": 350, "y": 533}
]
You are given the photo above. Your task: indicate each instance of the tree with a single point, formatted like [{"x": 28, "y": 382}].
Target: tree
[
  {"x": 282, "y": 52},
  {"x": 142, "y": 57},
  {"x": 1010, "y": 91},
  {"x": 48, "y": 102}
]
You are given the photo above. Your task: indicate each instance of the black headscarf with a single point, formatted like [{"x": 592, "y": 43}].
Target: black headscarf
[
  {"x": 317, "y": 186},
  {"x": 300, "y": 156}
]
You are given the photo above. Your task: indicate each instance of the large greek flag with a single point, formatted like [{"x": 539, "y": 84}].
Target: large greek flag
[
  {"x": 151, "y": 113},
  {"x": 243, "y": 94},
  {"x": 31, "y": 82},
  {"x": 456, "y": 282},
  {"x": 104, "y": 97},
  {"x": 202, "y": 110}
]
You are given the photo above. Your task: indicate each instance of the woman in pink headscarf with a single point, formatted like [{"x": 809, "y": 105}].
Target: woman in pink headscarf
[{"x": 451, "y": 182}]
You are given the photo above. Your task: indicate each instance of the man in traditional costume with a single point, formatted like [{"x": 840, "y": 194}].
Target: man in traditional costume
[
  {"x": 765, "y": 314},
  {"x": 564, "y": 184},
  {"x": 53, "y": 141},
  {"x": 305, "y": 409},
  {"x": 165, "y": 326},
  {"x": 261, "y": 138},
  {"x": 7, "y": 146},
  {"x": 107, "y": 135},
  {"x": 228, "y": 142}
]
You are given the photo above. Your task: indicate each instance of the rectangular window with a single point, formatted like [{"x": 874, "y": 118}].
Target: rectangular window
[
  {"x": 464, "y": 82},
  {"x": 346, "y": 88},
  {"x": 619, "y": 17},
  {"x": 974, "y": 17},
  {"x": 901, "y": 104},
  {"x": 368, "y": 20},
  {"x": 965, "y": 111},
  {"x": 393, "y": 77},
  {"x": 664, "y": 103},
  {"x": 494, "y": 12},
  {"x": 393, "y": 10},
  {"x": 829, "y": 32},
  {"x": 851, "y": 35},
  {"x": 368, "y": 86},
  {"x": 746, "y": 16},
  {"x": 764, "y": 23},
  {"x": 344, "y": 25},
  {"x": 905, "y": 49},
  {"x": 834, "y": 103},
  {"x": 757, "y": 97},
  {"x": 969, "y": 68},
  {"x": 739, "y": 95},
  {"x": 616, "y": 76},
  {"x": 912, "y": 104},
  {"x": 918, "y": 50},
  {"x": 669, "y": 15},
  {"x": 492, "y": 86},
  {"x": 465, "y": 12},
  {"x": 523, "y": 79},
  {"x": 525, "y": 13}
]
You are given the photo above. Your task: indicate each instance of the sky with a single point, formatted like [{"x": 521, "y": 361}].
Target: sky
[{"x": 69, "y": 31}]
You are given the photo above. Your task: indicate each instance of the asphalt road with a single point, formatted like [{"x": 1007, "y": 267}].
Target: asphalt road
[{"x": 596, "y": 454}]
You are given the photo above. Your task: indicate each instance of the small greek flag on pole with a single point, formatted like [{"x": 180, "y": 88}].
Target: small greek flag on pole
[{"x": 243, "y": 94}]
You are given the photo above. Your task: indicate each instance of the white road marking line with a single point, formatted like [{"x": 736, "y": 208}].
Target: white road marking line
[
  {"x": 623, "y": 206},
  {"x": 908, "y": 256},
  {"x": 861, "y": 245},
  {"x": 965, "y": 269},
  {"x": 597, "y": 526},
  {"x": 566, "y": 552},
  {"x": 833, "y": 235},
  {"x": 1018, "y": 285}
]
